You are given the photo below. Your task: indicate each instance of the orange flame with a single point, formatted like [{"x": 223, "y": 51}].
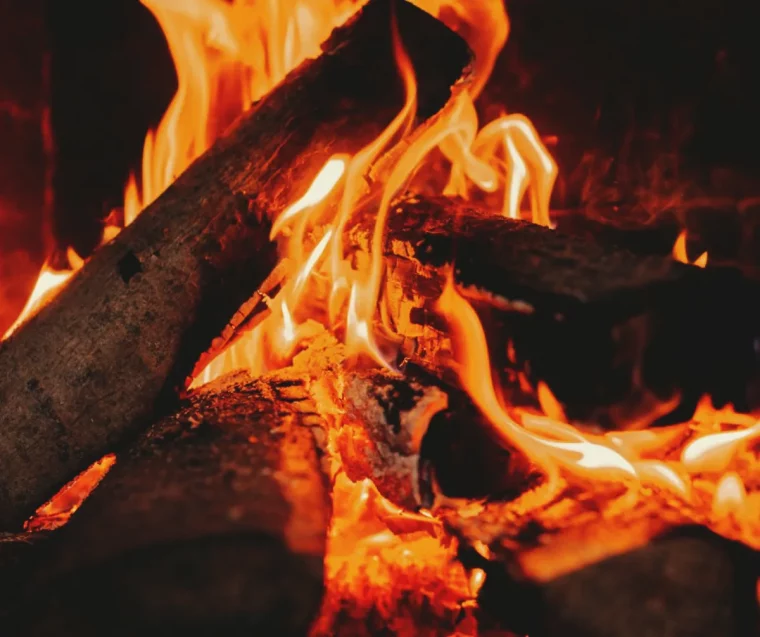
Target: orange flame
[
  {"x": 505, "y": 157},
  {"x": 679, "y": 252},
  {"x": 708, "y": 462},
  {"x": 47, "y": 286},
  {"x": 229, "y": 53}
]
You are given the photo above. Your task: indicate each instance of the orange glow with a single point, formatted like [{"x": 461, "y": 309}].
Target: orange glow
[
  {"x": 380, "y": 558},
  {"x": 47, "y": 286},
  {"x": 228, "y": 53},
  {"x": 57, "y": 511},
  {"x": 730, "y": 496},
  {"x": 679, "y": 252}
]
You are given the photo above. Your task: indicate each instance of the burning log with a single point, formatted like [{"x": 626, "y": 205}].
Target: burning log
[
  {"x": 637, "y": 574},
  {"x": 410, "y": 434},
  {"x": 214, "y": 522},
  {"x": 643, "y": 329},
  {"x": 119, "y": 341}
]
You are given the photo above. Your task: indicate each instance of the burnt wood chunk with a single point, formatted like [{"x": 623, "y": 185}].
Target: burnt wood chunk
[
  {"x": 614, "y": 335},
  {"x": 118, "y": 343},
  {"x": 686, "y": 582},
  {"x": 213, "y": 522}
]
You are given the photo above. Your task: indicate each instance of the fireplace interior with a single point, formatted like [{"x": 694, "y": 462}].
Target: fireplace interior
[{"x": 379, "y": 317}]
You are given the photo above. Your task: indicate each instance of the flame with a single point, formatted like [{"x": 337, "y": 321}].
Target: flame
[
  {"x": 730, "y": 496},
  {"x": 229, "y": 53},
  {"x": 548, "y": 443},
  {"x": 48, "y": 284},
  {"x": 57, "y": 511},
  {"x": 506, "y": 163},
  {"x": 226, "y": 55},
  {"x": 506, "y": 156},
  {"x": 638, "y": 458},
  {"x": 679, "y": 252}
]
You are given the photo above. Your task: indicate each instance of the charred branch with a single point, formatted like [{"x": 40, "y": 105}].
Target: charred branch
[
  {"x": 213, "y": 522},
  {"x": 118, "y": 343}
]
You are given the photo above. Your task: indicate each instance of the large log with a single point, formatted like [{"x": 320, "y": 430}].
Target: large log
[
  {"x": 567, "y": 569},
  {"x": 613, "y": 334},
  {"x": 119, "y": 341},
  {"x": 213, "y": 522}
]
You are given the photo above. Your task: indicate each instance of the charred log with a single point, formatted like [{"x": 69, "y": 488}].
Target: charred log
[
  {"x": 613, "y": 334},
  {"x": 214, "y": 522},
  {"x": 411, "y": 434},
  {"x": 721, "y": 228},
  {"x": 118, "y": 343},
  {"x": 585, "y": 559},
  {"x": 684, "y": 581},
  {"x": 623, "y": 228}
]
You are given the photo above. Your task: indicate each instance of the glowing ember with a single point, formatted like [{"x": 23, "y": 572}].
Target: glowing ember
[{"x": 64, "y": 504}]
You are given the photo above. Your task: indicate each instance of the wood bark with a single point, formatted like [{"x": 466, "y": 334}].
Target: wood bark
[
  {"x": 615, "y": 335},
  {"x": 213, "y": 522},
  {"x": 118, "y": 342}
]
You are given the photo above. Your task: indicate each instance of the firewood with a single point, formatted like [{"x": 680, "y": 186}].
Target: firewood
[
  {"x": 408, "y": 432},
  {"x": 608, "y": 331},
  {"x": 621, "y": 227},
  {"x": 213, "y": 522},
  {"x": 118, "y": 342},
  {"x": 622, "y": 582}
]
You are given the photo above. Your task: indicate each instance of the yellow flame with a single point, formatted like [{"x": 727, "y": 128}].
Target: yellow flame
[
  {"x": 714, "y": 453},
  {"x": 730, "y": 496},
  {"x": 323, "y": 184},
  {"x": 48, "y": 284}
]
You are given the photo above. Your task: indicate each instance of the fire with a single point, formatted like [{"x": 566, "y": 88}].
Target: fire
[
  {"x": 228, "y": 54},
  {"x": 47, "y": 286},
  {"x": 57, "y": 511},
  {"x": 679, "y": 252},
  {"x": 506, "y": 158}
]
